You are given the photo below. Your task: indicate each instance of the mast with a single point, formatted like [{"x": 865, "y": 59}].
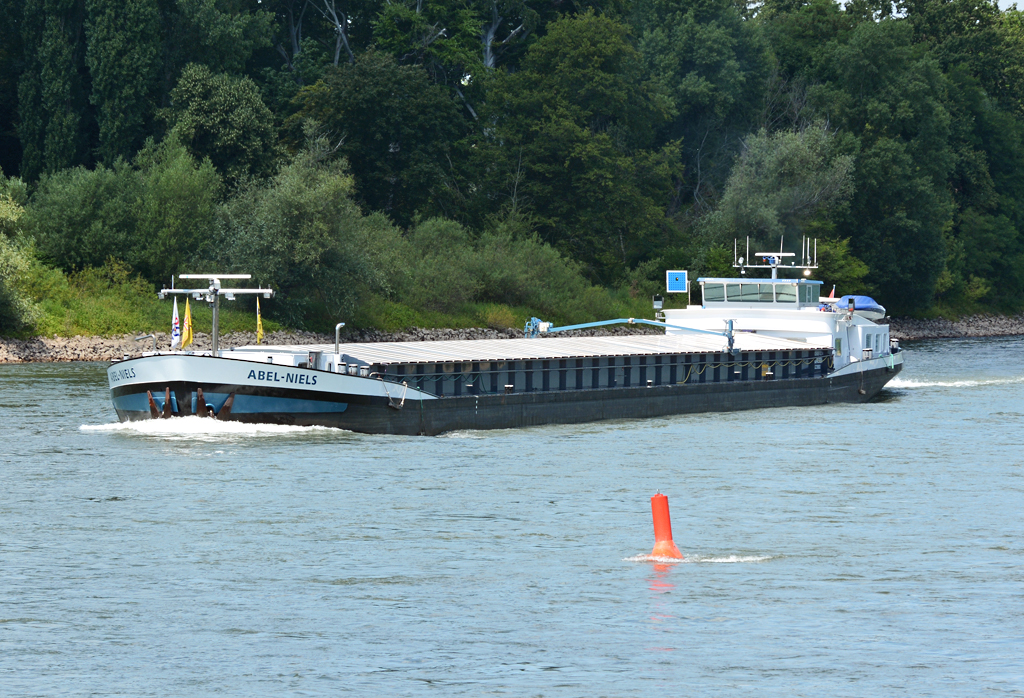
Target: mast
[{"x": 212, "y": 294}]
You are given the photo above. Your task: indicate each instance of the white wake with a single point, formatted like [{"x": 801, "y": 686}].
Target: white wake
[
  {"x": 899, "y": 382},
  {"x": 700, "y": 558},
  {"x": 202, "y": 428}
]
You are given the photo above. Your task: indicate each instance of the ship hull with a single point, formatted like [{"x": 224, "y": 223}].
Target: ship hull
[{"x": 368, "y": 405}]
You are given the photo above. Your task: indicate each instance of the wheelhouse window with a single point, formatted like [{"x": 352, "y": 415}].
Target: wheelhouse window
[
  {"x": 714, "y": 293},
  {"x": 785, "y": 293}
]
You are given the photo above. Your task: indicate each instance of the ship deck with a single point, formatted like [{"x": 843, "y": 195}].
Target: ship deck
[{"x": 542, "y": 348}]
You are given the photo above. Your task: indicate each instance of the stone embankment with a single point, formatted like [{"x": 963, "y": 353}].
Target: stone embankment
[
  {"x": 973, "y": 326},
  {"x": 106, "y": 348}
]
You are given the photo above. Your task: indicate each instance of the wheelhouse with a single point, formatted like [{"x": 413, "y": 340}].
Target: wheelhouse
[{"x": 783, "y": 294}]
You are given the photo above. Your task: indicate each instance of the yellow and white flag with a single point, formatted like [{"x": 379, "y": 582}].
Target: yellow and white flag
[
  {"x": 259, "y": 322},
  {"x": 186, "y": 327}
]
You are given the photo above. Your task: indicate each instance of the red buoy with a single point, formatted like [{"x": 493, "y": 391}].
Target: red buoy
[{"x": 663, "y": 545}]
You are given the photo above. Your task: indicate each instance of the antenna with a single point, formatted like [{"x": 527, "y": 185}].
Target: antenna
[{"x": 773, "y": 260}]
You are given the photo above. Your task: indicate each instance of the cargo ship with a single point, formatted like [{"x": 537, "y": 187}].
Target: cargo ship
[{"x": 750, "y": 344}]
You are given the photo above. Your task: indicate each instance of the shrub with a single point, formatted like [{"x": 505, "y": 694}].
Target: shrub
[
  {"x": 302, "y": 234},
  {"x": 156, "y": 215},
  {"x": 16, "y": 310}
]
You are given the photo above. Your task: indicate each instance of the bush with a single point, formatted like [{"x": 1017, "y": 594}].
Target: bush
[
  {"x": 156, "y": 215},
  {"x": 112, "y": 300},
  {"x": 301, "y": 234},
  {"x": 443, "y": 269},
  {"x": 80, "y": 217},
  {"x": 438, "y": 270},
  {"x": 16, "y": 310}
]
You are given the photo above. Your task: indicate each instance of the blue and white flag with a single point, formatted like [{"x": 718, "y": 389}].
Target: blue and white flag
[{"x": 175, "y": 327}]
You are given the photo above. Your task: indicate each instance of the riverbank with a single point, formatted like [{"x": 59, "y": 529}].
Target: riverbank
[
  {"x": 973, "y": 326},
  {"x": 83, "y": 348}
]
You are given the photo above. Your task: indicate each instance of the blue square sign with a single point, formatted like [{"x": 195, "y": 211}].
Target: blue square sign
[{"x": 676, "y": 282}]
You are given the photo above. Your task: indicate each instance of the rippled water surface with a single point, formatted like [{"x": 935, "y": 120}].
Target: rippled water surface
[{"x": 846, "y": 550}]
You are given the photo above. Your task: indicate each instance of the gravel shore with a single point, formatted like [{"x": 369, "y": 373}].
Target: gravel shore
[{"x": 106, "y": 348}]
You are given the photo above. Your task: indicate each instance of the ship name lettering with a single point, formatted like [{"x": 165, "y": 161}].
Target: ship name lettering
[
  {"x": 273, "y": 377},
  {"x": 122, "y": 374}
]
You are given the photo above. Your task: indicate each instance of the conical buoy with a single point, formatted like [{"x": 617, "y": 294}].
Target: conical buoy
[{"x": 663, "y": 545}]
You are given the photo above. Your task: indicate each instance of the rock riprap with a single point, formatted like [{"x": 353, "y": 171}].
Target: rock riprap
[{"x": 82, "y": 348}]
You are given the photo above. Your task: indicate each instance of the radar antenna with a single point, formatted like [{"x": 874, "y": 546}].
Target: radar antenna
[
  {"x": 212, "y": 293},
  {"x": 774, "y": 260}
]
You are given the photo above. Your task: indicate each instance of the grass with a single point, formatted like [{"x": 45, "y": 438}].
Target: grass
[{"x": 111, "y": 301}]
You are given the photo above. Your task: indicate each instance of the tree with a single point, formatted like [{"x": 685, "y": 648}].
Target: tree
[
  {"x": 224, "y": 119},
  {"x": 797, "y": 31},
  {"x": 782, "y": 181},
  {"x": 572, "y": 144},
  {"x": 175, "y": 217},
  {"x": 16, "y": 309},
  {"x": 155, "y": 214},
  {"x": 13, "y": 195},
  {"x": 441, "y": 36},
  {"x": 393, "y": 126},
  {"x": 881, "y": 91},
  {"x": 11, "y": 60},
  {"x": 302, "y": 233},
  {"x": 123, "y": 58},
  {"x": 712, "y": 64},
  {"x": 216, "y": 33},
  {"x": 78, "y": 217},
  {"x": 54, "y": 123}
]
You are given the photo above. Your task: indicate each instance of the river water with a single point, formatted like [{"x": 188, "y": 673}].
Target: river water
[{"x": 850, "y": 549}]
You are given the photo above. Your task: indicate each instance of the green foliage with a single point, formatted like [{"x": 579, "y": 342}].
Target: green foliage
[
  {"x": 439, "y": 256},
  {"x": 512, "y": 151},
  {"x": 781, "y": 181},
  {"x": 302, "y": 234},
  {"x": 16, "y": 308},
  {"x": 79, "y": 217},
  {"x": 123, "y": 58},
  {"x": 1011, "y": 30},
  {"x": 441, "y": 35},
  {"x": 111, "y": 300},
  {"x": 156, "y": 214},
  {"x": 392, "y": 125},
  {"x": 216, "y": 33},
  {"x": 838, "y": 267},
  {"x": 798, "y": 31},
  {"x": 176, "y": 212},
  {"x": 224, "y": 119},
  {"x": 13, "y": 195},
  {"x": 891, "y": 99},
  {"x": 704, "y": 55},
  {"x": 572, "y": 144},
  {"x": 52, "y": 95},
  {"x": 507, "y": 272},
  {"x": 710, "y": 65},
  {"x": 11, "y": 59}
]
